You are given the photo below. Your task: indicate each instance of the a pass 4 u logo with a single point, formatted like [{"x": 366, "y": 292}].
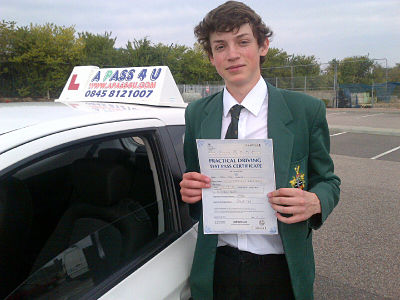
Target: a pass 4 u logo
[
  {"x": 126, "y": 75},
  {"x": 123, "y": 83}
]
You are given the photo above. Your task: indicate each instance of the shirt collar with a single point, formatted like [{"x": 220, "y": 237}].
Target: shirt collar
[{"x": 253, "y": 100}]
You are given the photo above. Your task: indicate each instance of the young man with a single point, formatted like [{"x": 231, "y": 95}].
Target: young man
[{"x": 230, "y": 266}]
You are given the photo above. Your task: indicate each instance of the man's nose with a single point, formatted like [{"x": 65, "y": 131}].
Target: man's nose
[{"x": 233, "y": 53}]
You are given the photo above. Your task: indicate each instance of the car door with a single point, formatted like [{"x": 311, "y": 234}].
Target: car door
[
  {"x": 73, "y": 181},
  {"x": 165, "y": 276}
]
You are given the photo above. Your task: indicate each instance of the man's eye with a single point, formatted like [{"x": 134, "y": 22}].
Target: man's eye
[
  {"x": 244, "y": 42},
  {"x": 219, "y": 47}
]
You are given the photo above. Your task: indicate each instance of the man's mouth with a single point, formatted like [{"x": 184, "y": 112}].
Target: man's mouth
[{"x": 235, "y": 67}]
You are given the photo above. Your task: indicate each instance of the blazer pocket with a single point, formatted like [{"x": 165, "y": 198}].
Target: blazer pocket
[{"x": 298, "y": 174}]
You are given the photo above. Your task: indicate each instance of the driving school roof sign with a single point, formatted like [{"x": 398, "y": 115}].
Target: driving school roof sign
[{"x": 140, "y": 85}]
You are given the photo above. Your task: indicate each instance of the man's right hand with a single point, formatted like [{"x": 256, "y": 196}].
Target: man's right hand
[{"x": 191, "y": 185}]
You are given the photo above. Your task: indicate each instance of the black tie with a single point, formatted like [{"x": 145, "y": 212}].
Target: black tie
[{"x": 232, "y": 132}]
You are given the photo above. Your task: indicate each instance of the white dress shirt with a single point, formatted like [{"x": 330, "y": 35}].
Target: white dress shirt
[{"x": 252, "y": 125}]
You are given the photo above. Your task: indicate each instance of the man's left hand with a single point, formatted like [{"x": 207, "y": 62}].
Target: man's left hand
[{"x": 301, "y": 205}]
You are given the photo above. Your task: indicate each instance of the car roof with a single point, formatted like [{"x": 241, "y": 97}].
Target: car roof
[
  {"x": 14, "y": 116},
  {"x": 24, "y": 121},
  {"x": 83, "y": 102}
]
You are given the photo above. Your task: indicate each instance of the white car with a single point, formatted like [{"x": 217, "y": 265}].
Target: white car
[{"x": 89, "y": 190}]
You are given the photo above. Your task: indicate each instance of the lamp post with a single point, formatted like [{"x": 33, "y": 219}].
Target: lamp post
[{"x": 386, "y": 79}]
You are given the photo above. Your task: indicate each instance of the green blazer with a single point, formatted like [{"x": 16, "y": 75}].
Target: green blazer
[{"x": 297, "y": 124}]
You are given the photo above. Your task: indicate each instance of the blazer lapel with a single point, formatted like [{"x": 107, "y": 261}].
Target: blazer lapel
[
  {"x": 210, "y": 129},
  {"x": 278, "y": 117},
  {"x": 212, "y": 121}
]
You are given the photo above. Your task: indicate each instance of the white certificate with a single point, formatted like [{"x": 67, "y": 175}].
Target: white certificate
[{"x": 242, "y": 174}]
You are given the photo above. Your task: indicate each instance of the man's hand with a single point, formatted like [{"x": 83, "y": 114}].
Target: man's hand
[
  {"x": 191, "y": 185},
  {"x": 300, "y": 204}
]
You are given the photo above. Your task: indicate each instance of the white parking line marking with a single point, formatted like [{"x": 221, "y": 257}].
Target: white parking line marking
[
  {"x": 372, "y": 115},
  {"x": 387, "y": 152},
  {"x": 342, "y": 112},
  {"x": 339, "y": 133}
]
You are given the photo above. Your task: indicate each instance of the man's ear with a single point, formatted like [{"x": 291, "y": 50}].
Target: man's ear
[
  {"x": 211, "y": 58},
  {"x": 264, "y": 48}
]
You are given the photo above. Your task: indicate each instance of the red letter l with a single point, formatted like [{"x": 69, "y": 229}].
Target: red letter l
[{"x": 72, "y": 84}]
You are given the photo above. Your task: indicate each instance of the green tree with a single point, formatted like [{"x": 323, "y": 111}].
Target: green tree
[
  {"x": 305, "y": 65},
  {"x": 98, "y": 49},
  {"x": 195, "y": 67},
  {"x": 43, "y": 57},
  {"x": 289, "y": 70},
  {"x": 276, "y": 64},
  {"x": 139, "y": 53},
  {"x": 279, "y": 63},
  {"x": 187, "y": 65},
  {"x": 394, "y": 73},
  {"x": 7, "y": 36},
  {"x": 355, "y": 69}
]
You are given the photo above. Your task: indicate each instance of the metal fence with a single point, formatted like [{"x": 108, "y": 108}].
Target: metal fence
[
  {"x": 321, "y": 81},
  {"x": 191, "y": 92},
  {"x": 345, "y": 95},
  {"x": 325, "y": 81}
]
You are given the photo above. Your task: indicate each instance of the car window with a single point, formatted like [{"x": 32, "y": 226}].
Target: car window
[
  {"x": 177, "y": 134},
  {"x": 88, "y": 262},
  {"x": 90, "y": 211}
]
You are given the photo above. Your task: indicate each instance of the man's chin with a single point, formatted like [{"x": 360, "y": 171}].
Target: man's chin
[{"x": 237, "y": 80}]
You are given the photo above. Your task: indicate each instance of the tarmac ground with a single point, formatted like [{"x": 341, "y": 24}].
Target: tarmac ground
[{"x": 357, "y": 250}]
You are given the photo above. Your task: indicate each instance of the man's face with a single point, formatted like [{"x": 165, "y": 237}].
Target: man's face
[{"x": 236, "y": 57}]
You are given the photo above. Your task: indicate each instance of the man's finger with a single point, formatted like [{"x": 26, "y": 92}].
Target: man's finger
[
  {"x": 189, "y": 192},
  {"x": 191, "y": 200},
  {"x": 194, "y": 184},
  {"x": 286, "y": 192},
  {"x": 291, "y": 219},
  {"x": 288, "y": 209},
  {"x": 290, "y": 201},
  {"x": 196, "y": 176}
]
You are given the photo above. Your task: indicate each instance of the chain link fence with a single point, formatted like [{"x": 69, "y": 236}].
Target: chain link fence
[
  {"x": 324, "y": 81},
  {"x": 347, "y": 83},
  {"x": 191, "y": 92}
]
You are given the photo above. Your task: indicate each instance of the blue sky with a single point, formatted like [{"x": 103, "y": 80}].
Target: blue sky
[{"x": 326, "y": 29}]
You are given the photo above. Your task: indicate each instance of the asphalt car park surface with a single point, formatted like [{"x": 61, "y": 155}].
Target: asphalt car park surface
[
  {"x": 358, "y": 248},
  {"x": 372, "y": 118},
  {"x": 372, "y": 146},
  {"x": 370, "y": 133}
]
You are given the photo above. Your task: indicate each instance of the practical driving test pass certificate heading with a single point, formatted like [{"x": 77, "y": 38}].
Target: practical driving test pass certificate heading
[{"x": 242, "y": 174}]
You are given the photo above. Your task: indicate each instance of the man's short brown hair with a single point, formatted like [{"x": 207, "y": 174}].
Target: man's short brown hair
[{"x": 229, "y": 17}]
